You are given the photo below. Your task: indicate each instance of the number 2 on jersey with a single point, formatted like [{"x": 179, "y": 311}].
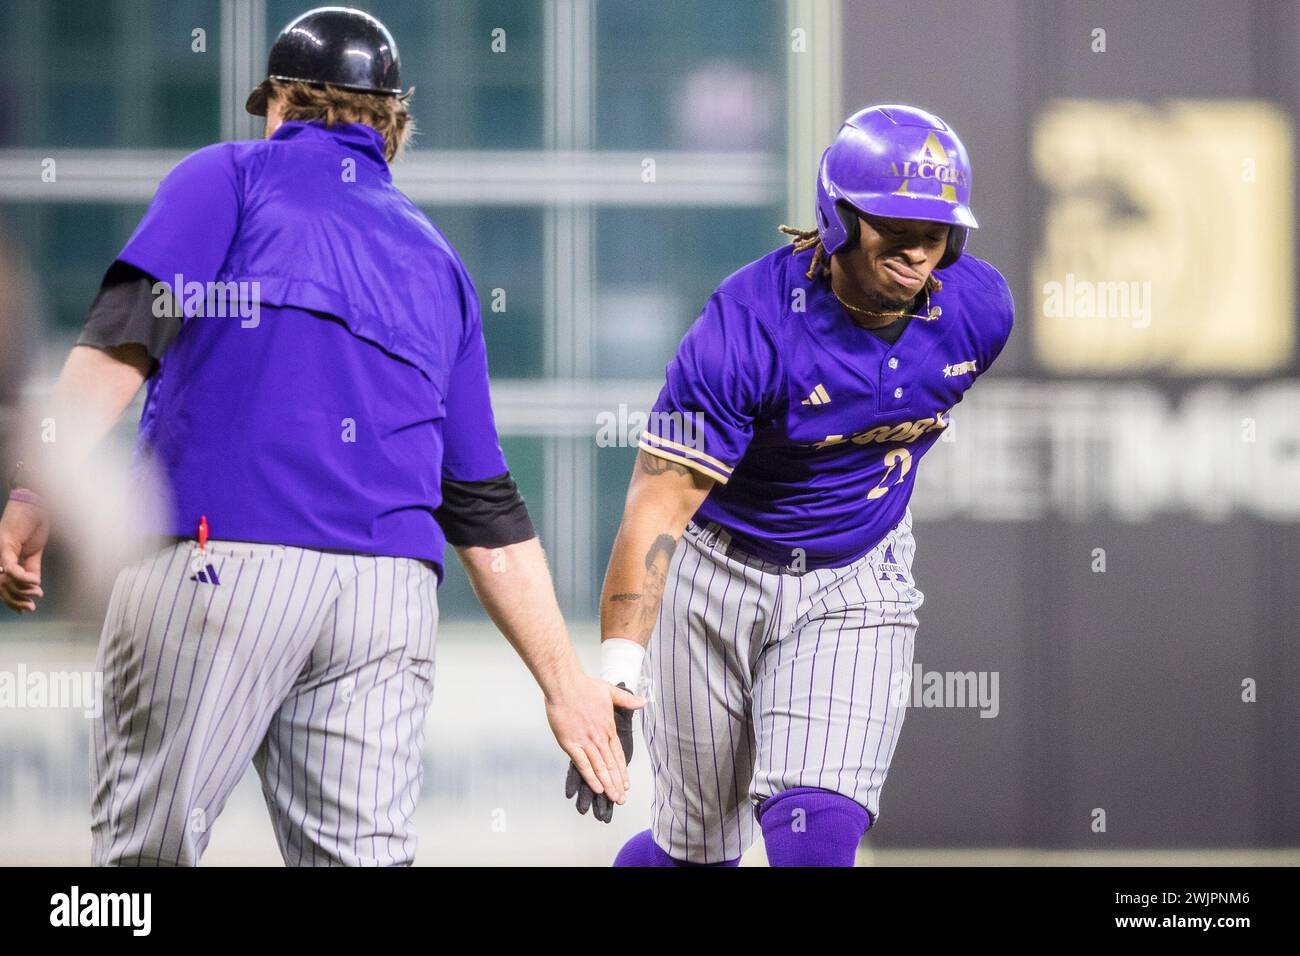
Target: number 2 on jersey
[{"x": 893, "y": 458}]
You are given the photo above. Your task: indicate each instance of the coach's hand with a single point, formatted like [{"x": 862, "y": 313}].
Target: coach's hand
[
  {"x": 602, "y": 807},
  {"x": 599, "y": 743},
  {"x": 24, "y": 529}
]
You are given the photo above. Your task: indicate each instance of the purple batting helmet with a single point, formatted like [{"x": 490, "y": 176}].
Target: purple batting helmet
[{"x": 896, "y": 162}]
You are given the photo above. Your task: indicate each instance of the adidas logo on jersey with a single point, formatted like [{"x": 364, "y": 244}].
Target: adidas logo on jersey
[
  {"x": 961, "y": 368},
  {"x": 819, "y": 396}
]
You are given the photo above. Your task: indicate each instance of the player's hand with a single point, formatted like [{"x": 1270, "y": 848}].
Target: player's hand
[
  {"x": 583, "y": 721},
  {"x": 24, "y": 530},
  {"x": 577, "y": 784}
]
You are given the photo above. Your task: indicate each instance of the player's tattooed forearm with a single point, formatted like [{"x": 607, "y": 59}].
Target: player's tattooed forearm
[
  {"x": 665, "y": 544},
  {"x": 657, "y": 561},
  {"x": 616, "y": 598},
  {"x": 654, "y": 465}
]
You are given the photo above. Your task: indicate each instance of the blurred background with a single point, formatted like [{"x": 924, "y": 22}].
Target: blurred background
[{"x": 1107, "y": 536}]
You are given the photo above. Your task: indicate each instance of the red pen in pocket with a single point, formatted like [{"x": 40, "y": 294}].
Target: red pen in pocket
[{"x": 199, "y": 556}]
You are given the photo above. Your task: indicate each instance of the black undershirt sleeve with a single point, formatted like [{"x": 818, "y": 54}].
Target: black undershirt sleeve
[
  {"x": 484, "y": 514},
  {"x": 123, "y": 313}
]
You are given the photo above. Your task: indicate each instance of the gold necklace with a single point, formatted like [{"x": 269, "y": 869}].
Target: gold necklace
[{"x": 930, "y": 313}]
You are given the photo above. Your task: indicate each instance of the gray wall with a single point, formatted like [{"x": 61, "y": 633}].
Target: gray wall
[{"x": 1119, "y": 690}]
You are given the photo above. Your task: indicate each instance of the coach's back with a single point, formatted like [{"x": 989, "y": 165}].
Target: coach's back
[{"x": 315, "y": 418}]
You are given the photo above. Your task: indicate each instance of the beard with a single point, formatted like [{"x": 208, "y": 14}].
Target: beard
[{"x": 879, "y": 302}]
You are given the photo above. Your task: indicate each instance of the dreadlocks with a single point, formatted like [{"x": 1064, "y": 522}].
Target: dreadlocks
[{"x": 805, "y": 239}]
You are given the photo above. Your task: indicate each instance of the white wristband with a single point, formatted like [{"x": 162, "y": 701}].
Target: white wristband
[{"x": 620, "y": 661}]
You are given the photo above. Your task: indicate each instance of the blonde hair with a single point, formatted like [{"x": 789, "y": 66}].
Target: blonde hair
[
  {"x": 388, "y": 114},
  {"x": 805, "y": 239}
]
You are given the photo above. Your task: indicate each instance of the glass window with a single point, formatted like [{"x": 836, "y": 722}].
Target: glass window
[
  {"x": 466, "y": 95},
  {"x": 613, "y": 472},
  {"x": 67, "y": 248},
  {"x": 686, "y": 74},
  {"x": 113, "y": 73},
  {"x": 656, "y": 269},
  {"x": 502, "y": 248}
]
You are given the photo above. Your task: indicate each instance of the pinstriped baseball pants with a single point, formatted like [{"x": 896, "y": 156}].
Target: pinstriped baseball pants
[
  {"x": 762, "y": 679},
  {"x": 315, "y": 667}
]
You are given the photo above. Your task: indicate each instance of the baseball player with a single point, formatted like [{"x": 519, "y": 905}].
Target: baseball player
[
  {"x": 318, "y": 447},
  {"x": 765, "y": 553}
]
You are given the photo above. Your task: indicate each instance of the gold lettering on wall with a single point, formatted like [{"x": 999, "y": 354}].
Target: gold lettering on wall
[{"x": 1159, "y": 252}]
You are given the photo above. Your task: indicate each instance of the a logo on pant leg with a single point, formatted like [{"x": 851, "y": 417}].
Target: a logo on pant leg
[
  {"x": 204, "y": 573},
  {"x": 207, "y": 576},
  {"x": 890, "y": 566}
]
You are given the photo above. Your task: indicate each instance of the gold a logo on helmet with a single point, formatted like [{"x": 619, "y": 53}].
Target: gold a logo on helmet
[{"x": 931, "y": 163}]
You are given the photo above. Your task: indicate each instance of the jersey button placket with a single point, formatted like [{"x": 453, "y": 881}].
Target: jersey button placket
[{"x": 890, "y": 377}]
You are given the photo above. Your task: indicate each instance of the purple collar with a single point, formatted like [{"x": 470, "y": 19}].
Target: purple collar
[{"x": 358, "y": 137}]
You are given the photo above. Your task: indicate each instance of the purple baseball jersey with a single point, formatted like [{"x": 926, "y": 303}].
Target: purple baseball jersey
[
  {"x": 811, "y": 425},
  {"x": 330, "y": 419}
]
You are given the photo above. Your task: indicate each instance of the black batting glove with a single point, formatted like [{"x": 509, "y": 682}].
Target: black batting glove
[{"x": 601, "y": 806}]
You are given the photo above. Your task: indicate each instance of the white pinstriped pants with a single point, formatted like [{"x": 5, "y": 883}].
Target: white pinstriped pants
[
  {"x": 762, "y": 679},
  {"x": 316, "y": 667}
]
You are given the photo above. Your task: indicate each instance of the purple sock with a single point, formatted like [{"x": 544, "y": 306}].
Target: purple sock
[
  {"x": 811, "y": 827},
  {"x": 642, "y": 850}
]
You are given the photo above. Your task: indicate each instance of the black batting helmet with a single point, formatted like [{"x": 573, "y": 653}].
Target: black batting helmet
[{"x": 337, "y": 46}]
